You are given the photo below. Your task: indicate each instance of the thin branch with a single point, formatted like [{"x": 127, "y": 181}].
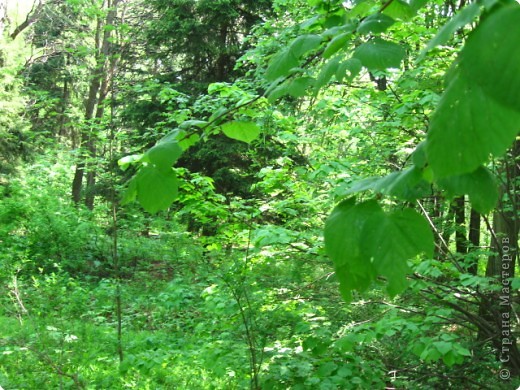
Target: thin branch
[{"x": 32, "y": 17}]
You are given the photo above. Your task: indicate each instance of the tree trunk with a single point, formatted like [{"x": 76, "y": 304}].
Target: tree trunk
[
  {"x": 497, "y": 308},
  {"x": 461, "y": 244},
  {"x": 474, "y": 239},
  {"x": 94, "y": 109}
]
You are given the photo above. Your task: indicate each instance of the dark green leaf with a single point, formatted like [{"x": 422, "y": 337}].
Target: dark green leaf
[
  {"x": 376, "y": 24},
  {"x": 407, "y": 184},
  {"x": 419, "y": 155},
  {"x": 352, "y": 66},
  {"x": 328, "y": 70},
  {"x": 336, "y": 44},
  {"x": 466, "y": 128},
  {"x": 491, "y": 57},
  {"x": 305, "y": 43},
  {"x": 443, "y": 346},
  {"x": 480, "y": 185},
  {"x": 343, "y": 238},
  {"x": 364, "y": 241},
  {"x": 130, "y": 192},
  {"x": 391, "y": 239},
  {"x": 298, "y": 86},
  {"x": 281, "y": 65},
  {"x": 379, "y": 54}
]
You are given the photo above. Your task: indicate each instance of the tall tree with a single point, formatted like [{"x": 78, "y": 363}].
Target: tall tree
[{"x": 103, "y": 70}]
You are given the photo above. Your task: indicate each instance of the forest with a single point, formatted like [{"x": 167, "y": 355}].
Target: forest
[{"x": 259, "y": 194}]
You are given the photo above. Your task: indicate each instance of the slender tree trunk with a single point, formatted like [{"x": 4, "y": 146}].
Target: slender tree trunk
[
  {"x": 461, "y": 244},
  {"x": 474, "y": 239},
  {"x": 87, "y": 143},
  {"x": 497, "y": 308}
]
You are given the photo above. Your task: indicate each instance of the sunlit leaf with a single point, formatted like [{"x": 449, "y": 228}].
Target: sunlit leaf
[
  {"x": 156, "y": 189},
  {"x": 164, "y": 154},
  {"x": 128, "y": 160},
  {"x": 241, "y": 130},
  {"x": 398, "y": 9}
]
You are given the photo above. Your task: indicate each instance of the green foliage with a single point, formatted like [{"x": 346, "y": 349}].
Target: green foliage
[
  {"x": 480, "y": 185},
  {"x": 379, "y": 54},
  {"x": 376, "y": 23},
  {"x": 478, "y": 111},
  {"x": 156, "y": 189},
  {"x": 229, "y": 284},
  {"x": 462, "y": 18},
  {"x": 288, "y": 59},
  {"x": 365, "y": 242},
  {"x": 39, "y": 227},
  {"x": 241, "y": 131}
]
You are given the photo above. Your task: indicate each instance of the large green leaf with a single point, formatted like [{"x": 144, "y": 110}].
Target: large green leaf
[
  {"x": 343, "y": 239},
  {"x": 156, "y": 189},
  {"x": 283, "y": 62},
  {"x": 281, "y": 65},
  {"x": 399, "y": 9},
  {"x": 376, "y": 24},
  {"x": 392, "y": 239},
  {"x": 491, "y": 56},
  {"x": 164, "y": 154},
  {"x": 348, "y": 69},
  {"x": 480, "y": 185},
  {"x": 407, "y": 184},
  {"x": 336, "y": 44},
  {"x": 241, "y": 130},
  {"x": 305, "y": 43},
  {"x": 295, "y": 87},
  {"x": 379, "y": 54},
  {"x": 467, "y": 127},
  {"x": 364, "y": 242},
  {"x": 327, "y": 71}
]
